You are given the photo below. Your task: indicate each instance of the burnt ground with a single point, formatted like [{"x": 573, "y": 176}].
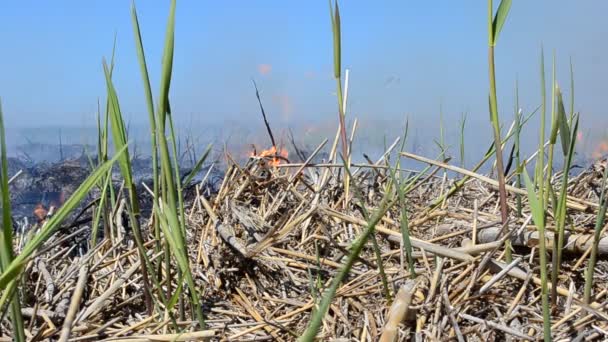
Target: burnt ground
[{"x": 47, "y": 184}]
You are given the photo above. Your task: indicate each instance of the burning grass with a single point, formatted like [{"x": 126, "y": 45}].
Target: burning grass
[{"x": 273, "y": 155}]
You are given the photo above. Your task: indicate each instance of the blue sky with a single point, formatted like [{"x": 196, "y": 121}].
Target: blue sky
[{"x": 405, "y": 57}]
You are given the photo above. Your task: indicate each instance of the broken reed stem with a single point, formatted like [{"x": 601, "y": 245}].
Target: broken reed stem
[
  {"x": 74, "y": 304},
  {"x": 573, "y": 203},
  {"x": 203, "y": 335},
  {"x": 398, "y": 311},
  {"x": 15, "y": 176},
  {"x": 257, "y": 95},
  {"x": 497, "y": 326}
]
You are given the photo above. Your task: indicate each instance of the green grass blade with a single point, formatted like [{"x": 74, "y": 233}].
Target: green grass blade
[
  {"x": 139, "y": 48},
  {"x": 599, "y": 225},
  {"x": 119, "y": 133},
  {"x": 6, "y": 235},
  {"x": 563, "y": 121},
  {"x": 174, "y": 299},
  {"x": 100, "y": 208},
  {"x": 517, "y": 147},
  {"x": 405, "y": 231},
  {"x": 375, "y": 245},
  {"x": 168, "y": 180},
  {"x": 571, "y": 90},
  {"x": 543, "y": 113},
  {"x": 490, "y": 23},
  {"x": 167, "y": 66},
  {"x": 170, "y": 226},
  {"x": 538, "y": 216},
  {"x": 503, "y": 10},
  {"x": 441, "y": 143},
  {"x": 335, "y": 27},
  {"x": 554, "y": 117},
  {"x": 198, "y": 166},
  {"x": 463, "y": 122},
  {"x": 500, "y": 19},
  {"x": 148, "y": 94},
  {"x": 317, "y": 317},
  {"x": 151, "y": 116},
  {"x": 167, "y": 167},
  {"x": 176, "y": 171},
  {"x": 313, "y": 326},
  {"x": 561, "y": 207}
]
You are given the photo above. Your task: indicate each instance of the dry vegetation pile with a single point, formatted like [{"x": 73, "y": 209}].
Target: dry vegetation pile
[{"x": 266, "y": 247}]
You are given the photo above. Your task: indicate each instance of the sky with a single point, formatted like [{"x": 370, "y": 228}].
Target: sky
[{"x": 407, "y": 59}]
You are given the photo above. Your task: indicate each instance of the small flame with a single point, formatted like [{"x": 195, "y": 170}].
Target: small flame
[
  {"x": 40, "y": 212},
  {"x": 275, "y": 156},
  {"x": 600, "y": 150},
  {"x": 47, "y": 207}
]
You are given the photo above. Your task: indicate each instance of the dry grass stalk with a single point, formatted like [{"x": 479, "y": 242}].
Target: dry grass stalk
[{"x": 398, "y": 311}]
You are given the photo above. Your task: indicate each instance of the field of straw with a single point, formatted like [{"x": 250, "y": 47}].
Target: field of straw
[{"x": 329, "y": 250}]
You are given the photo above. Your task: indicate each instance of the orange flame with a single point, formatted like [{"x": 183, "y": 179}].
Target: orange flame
[
  {"x": 40, "y": 212},
  {"x": 275, "y": 156},
  {"x": 600, "y": 150}
]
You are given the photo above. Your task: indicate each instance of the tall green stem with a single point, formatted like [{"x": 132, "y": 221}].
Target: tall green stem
[
  {"x": 544, "y": 290},
  {"x": 539, "y": 180},
  {"x": 517, "y": 147},
  {"x": 504, "y": 210},
  {"x": 599, "y": 225},
  {"x": 150, "y": 105},
  {"x": 6, "y": 237}
]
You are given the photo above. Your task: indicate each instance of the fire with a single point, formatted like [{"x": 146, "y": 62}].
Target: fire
[
  {"x": 40, "y": 212},
  {"x": 275, "y": 157},
  {"x": 51, "y": 201},
  {"x": 600, "y": 150}
]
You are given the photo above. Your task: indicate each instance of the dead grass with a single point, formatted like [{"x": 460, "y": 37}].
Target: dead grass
[{"x": 266, "y": 246}]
